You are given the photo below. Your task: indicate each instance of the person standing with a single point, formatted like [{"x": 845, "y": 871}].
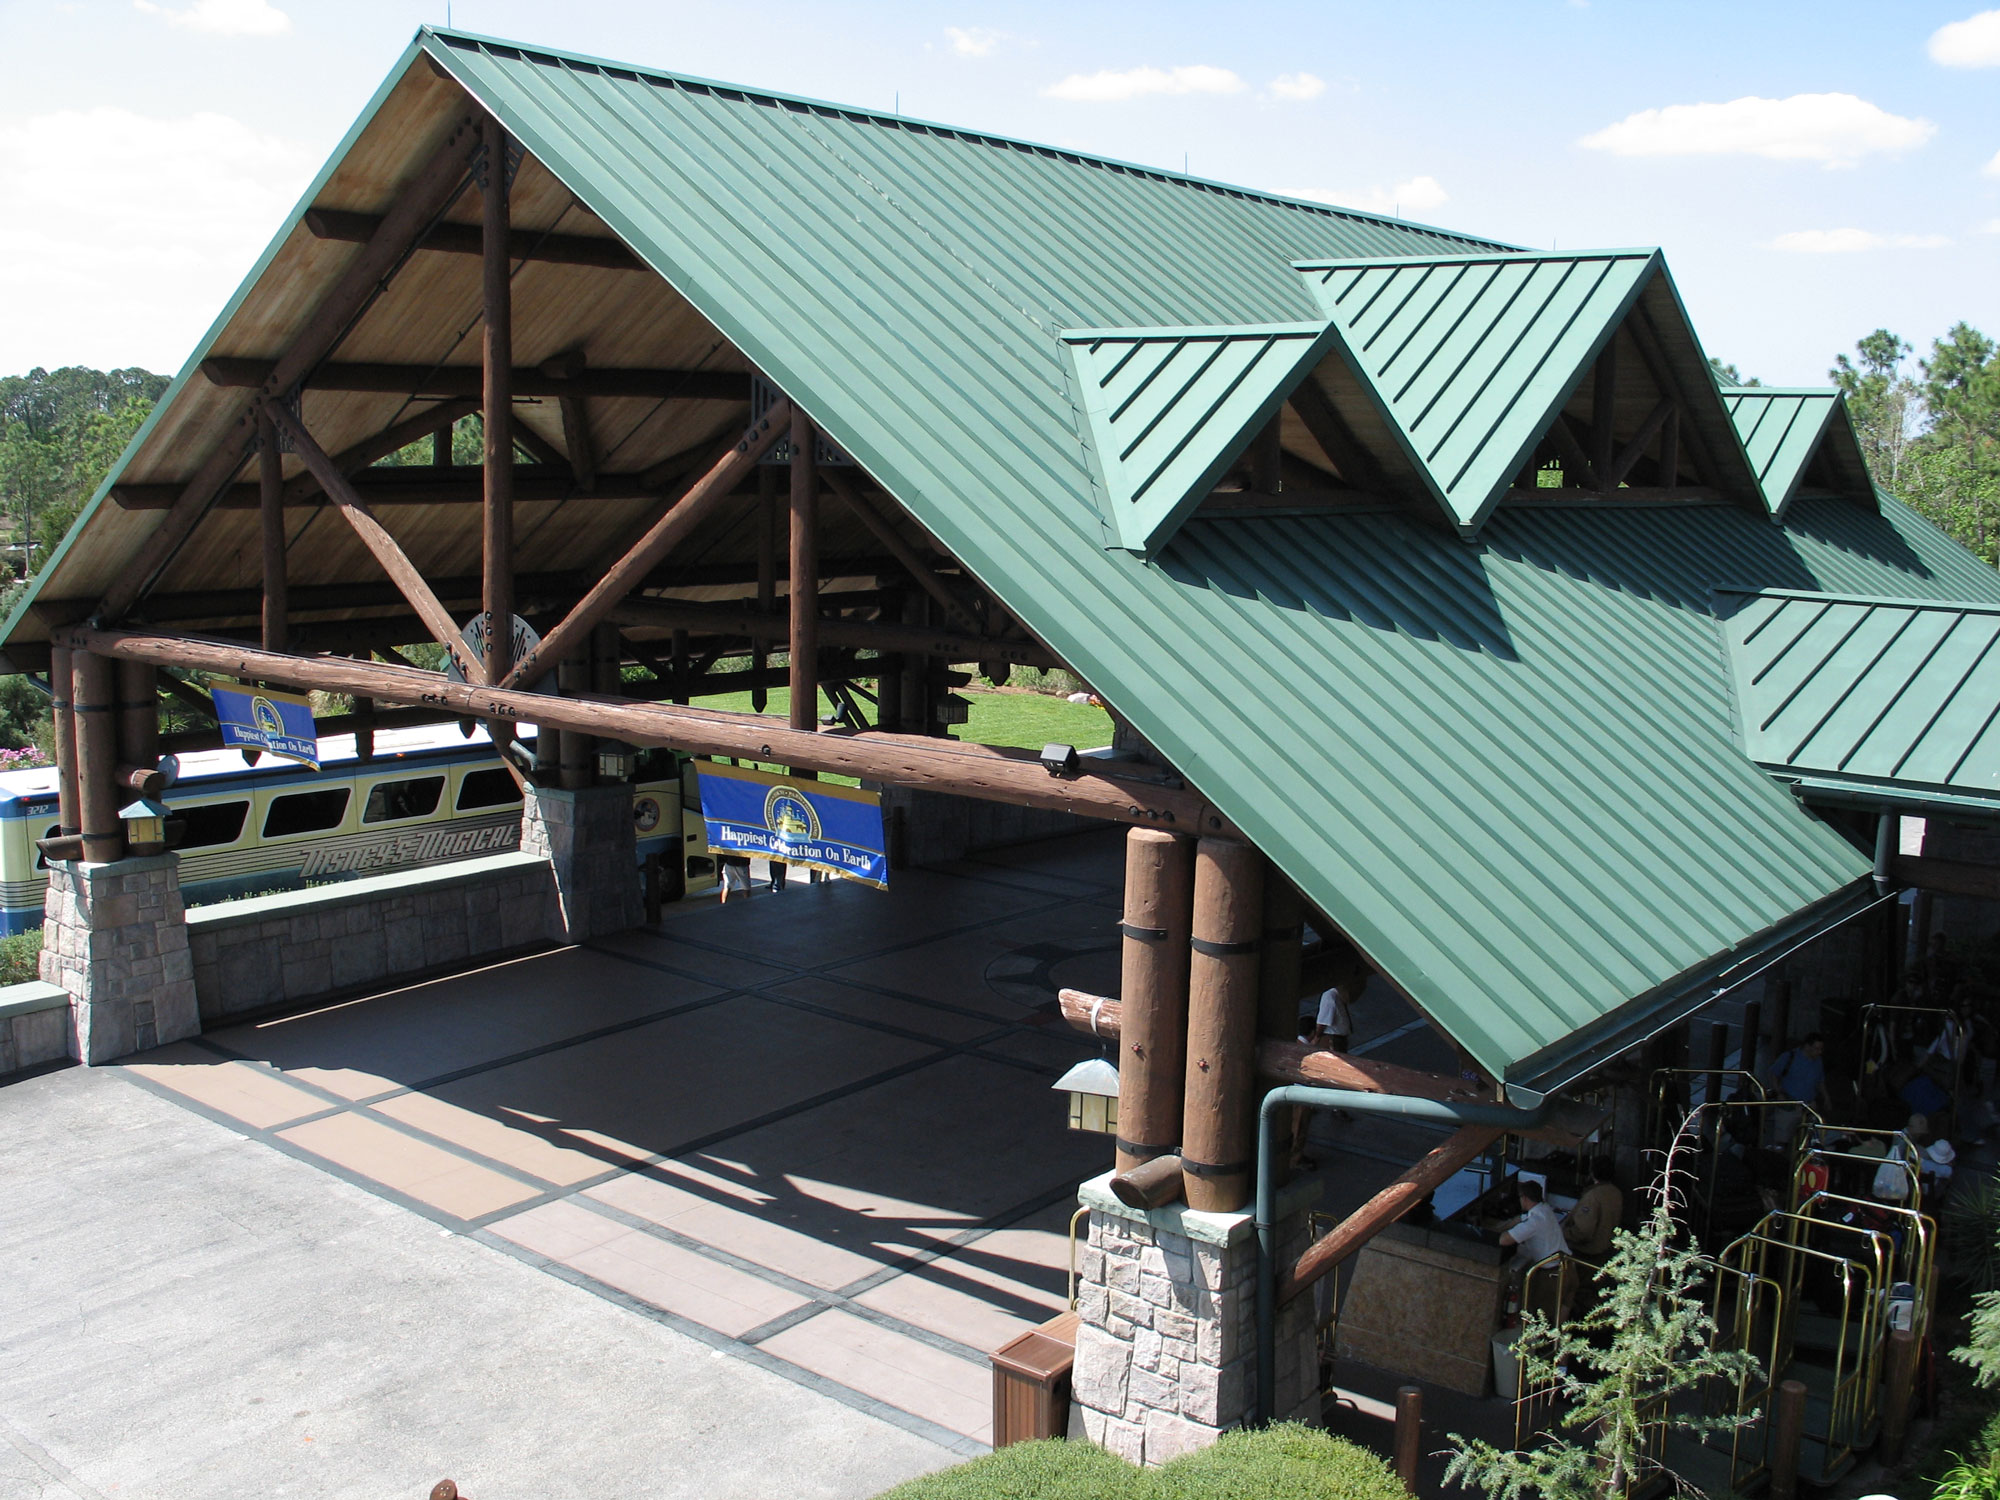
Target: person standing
[{"x": 1588, "y": 1228}]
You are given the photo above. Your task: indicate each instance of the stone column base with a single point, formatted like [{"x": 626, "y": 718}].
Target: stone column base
[
  {"x": 1166, "y": 1350},
  {"x": 587, "y": 837},
  {"x": 114, "y": 938}
]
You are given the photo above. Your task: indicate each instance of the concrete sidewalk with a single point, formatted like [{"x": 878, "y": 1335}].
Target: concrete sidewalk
[{"x": 188, "y": 1314}]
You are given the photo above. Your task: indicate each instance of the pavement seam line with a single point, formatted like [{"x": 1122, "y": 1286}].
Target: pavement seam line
[{"x": 47, "y": 1462}]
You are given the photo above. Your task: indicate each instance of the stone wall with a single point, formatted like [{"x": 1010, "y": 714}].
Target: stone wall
[
  {"x": 588, "y": 842},
  {"x": 302, "y": 945},
  {"x": 114, "y": 942},
  {"x": 1166, "y": 1347},
  {"x": 34, "y": 1025}
]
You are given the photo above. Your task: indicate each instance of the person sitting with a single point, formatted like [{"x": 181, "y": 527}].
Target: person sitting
[
  {"x": 1588, "y": 1228},
  {"x": 1537, "y": 1234}
]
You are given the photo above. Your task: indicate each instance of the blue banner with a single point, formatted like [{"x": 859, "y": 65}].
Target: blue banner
[
  {"x": 836, "y": 828},
  {"x": 258, "y": 719}
]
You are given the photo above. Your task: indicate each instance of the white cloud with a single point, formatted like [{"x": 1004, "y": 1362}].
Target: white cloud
[
  {"x": 1836, "y": 129},
  {"x": 1417, "y": 195},
  {"x": 1108, "y": 87},
  {"x": 224, "y": 17},
  {"x": 1295, "y": 88},
  {"x": 1992, "y": 168},
  {"x": 132, "y": 230},
  {"x": 1971, "y": 43},
  {"x": 1991, "y": 226},
  {"x": 974, "y": 41},
  {"x": 1849, "y": 241}
]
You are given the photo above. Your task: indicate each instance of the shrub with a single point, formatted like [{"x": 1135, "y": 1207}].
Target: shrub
[
  {"x": 20, "y": 957},
  {"x": 1286, "y": 1462}
]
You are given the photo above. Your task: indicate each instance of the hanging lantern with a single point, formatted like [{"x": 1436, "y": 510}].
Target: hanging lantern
[
  {"x": 1092, "y": 1086},
  {"x": 145, "y": 826},
  {"x": 616, "y": 761}
]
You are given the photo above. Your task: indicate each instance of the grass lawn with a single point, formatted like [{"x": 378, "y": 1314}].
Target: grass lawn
[{"x": 1029, "y": 720}]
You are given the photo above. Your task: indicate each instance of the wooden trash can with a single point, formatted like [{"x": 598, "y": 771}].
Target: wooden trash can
[{"x": 1031, "y": 1383}]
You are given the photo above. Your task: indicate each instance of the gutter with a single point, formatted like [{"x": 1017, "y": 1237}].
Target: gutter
[{"x": 1499, "y": 1115}]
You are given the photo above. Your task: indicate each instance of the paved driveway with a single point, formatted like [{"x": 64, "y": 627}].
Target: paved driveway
[{"x": 732, "y": 1206}]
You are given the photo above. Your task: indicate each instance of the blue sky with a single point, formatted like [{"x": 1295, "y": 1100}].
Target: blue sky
[{"x": 1813, "y": 171}]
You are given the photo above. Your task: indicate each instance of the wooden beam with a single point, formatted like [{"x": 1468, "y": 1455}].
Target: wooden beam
[
  {"x": 581, "y": 450},
  {"x": 802, "y": 595},
  {"x": 421, "y": 199},
  {"x": 867, "y": 635},
  {"x": 1439, "y": 1166},
  {"x": 1604, "y": 412},
  {"x": 885, "y": 532},
  {"x": 1647, "y": 341},
  {"x": 1281, "y": 1061},
  {"x": 497, "y": 362},
  {"x": 623, "y": 576},
  {"x": 465, "y": 239},
  {"x": 189, "y": 695},
  {"x": 469, "y": 380},
  {"x": 411, "y": 484},
  {"x": 271, "y": 527},
  {"x": 407, "y": 578},
  {"x": 1629, "y": 455},
  {"x": 391, "y": 439},
  {"x": 986, "y": 772},
  {"x": 1946, "y": 877},
  {"x": 1575, "y": 461},
  {"x": 1267, "y": 454},
  {"x": 1670, "y": 450},
  {"x": 1357, "y": 466}
]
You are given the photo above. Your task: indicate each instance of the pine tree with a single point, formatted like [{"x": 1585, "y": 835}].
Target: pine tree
[{"x": 1618, "y": 1369}]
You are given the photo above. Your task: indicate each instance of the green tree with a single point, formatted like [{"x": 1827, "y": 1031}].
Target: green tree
[
  {"x": 1728, "y": 374},
  {"x": 1960, "y": 455},
  {"x": 1618, "y": 1369},
  {"x": 1884, "y": 402}
]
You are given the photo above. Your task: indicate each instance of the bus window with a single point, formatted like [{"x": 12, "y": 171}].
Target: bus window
[
  {"x": 489, "y": 787},
  {"x": 390, "y": 800},
  {"x": 306, "y": 812},
  {"x": 212, "y": 823}
]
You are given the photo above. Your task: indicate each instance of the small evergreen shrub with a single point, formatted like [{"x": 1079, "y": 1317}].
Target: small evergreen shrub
[{"x": 1285, "y": 1462}]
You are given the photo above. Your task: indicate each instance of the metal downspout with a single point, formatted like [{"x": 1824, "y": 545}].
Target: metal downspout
[
  {"x": 1267, "y": 1184},
  {"x": 1887, "y": 826}
]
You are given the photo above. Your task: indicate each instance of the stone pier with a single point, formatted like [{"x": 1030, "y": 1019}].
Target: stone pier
[
  {"x": 587, "y": 837},
  {"x": 114, "y": 939},
  {"x": 1166, "y": 1349}
]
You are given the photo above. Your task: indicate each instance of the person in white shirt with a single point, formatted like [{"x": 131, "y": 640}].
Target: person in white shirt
[
  {"x": 1333, "y": 1026},
  {"x": 1538, "y": 1232}
]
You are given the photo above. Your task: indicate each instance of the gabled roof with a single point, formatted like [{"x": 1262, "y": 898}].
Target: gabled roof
[
  {"x": 1169, "y": 409},
  {"x": 1509, "y": 771},
  {"x": 1785, "y": 429},
  {"x": 1887, "y": 699},
  {"x": 1472, "y": 357}
]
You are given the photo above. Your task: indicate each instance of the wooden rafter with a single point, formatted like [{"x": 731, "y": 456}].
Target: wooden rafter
[
  {"x": 625, "y": 575},
  {"x": 391, "y": 439},
  {"x": 465, "y": 239},
  {"x": 469, "y": 380},
  {"x": 802, "y": 593},
  {"x": 884, "y": 531},
  {"x": 408, "y": 580},
  {"x": 871, "y": 635},
  {"x": 1356, "y": 465},
  {"x": 578, "y": 444},
  {"x": 1635, "y": 447},
  {"x": 1569, "y": 448},
  {"x": 410, "y": 484},
  {"x": 271, "y": 529},
  {"x": 420, "y": 200}
]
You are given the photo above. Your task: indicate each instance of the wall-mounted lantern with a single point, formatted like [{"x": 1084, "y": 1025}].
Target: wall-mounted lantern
[
  {"x": 1092, "y": 1086},
  {"x": 145, "y": 826}
]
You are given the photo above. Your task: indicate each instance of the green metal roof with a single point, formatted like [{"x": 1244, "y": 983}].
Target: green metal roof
[
  {"x": 1169, "y": 409},
  {"x": 1887, "y": 697},
  {"x": 1783, "y": 429},
  {"x": 1509, "y": 770}
]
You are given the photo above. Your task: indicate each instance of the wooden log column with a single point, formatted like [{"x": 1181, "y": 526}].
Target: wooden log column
[
  {"x": 1152, "y": 1051},
  {"x": 804, "y": 585},
  {"x": 497, "y": 539},
  {"x": 94, "y": 700},
  {"x": 271, "y": 523},
  {"x": 139, "y": 714},
  {"x": 767, "y": 572},
  {"x": 63, "y": 726},
  {"x": 1218, "y": 1130}
]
